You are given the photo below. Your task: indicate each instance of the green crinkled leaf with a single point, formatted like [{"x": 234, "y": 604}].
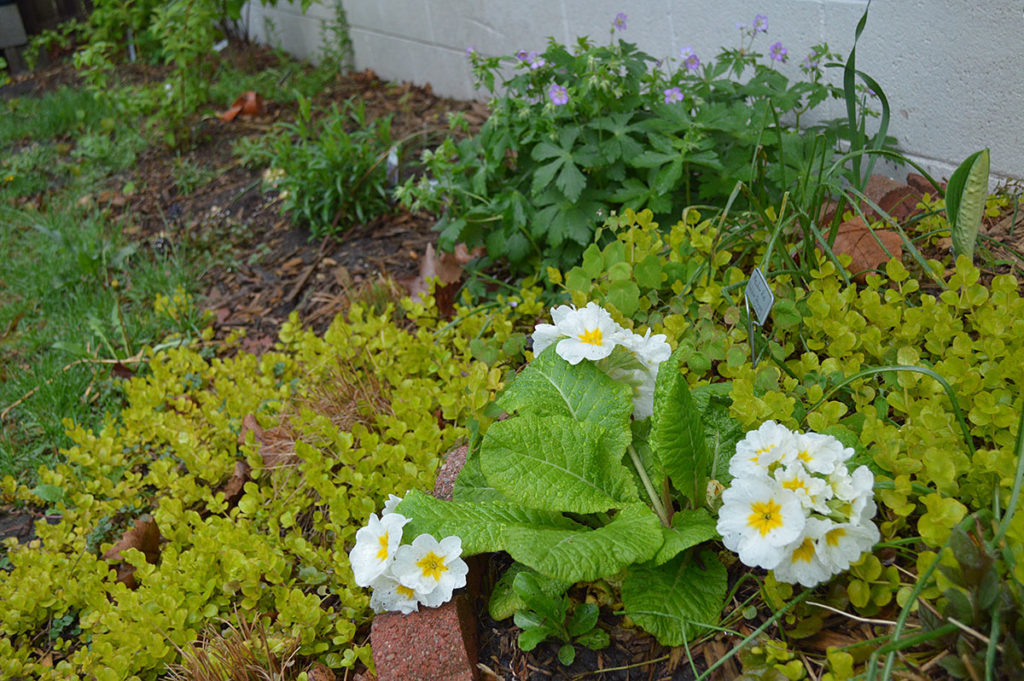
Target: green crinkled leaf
[
  {"x": 483, "y": 527},
  {"x": 677, "y": 435},
  {"x": 689, "y": 528},
  {"x": 551, "y": 386},
  {"x": 721, "y": 431},
  {"x": 505, "y": 602},
  {"x": 472, "y": 485},
  {"x": 555, "y": 463},
  {"x": 582, "y": 555},
  {"x": 676, "y": 601}
]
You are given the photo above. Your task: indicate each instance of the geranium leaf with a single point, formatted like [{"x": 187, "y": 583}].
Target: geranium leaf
[
  {"x": 677, "y": 600},
  {"x": 483, "y": 527},
  {"x": 583, "y": 554},
  {"x": 677, "y": 435},
  {"x": 551, "y": 386},
  {"x": 689, "y": 528},
  {"x": 555, "y": 463}
]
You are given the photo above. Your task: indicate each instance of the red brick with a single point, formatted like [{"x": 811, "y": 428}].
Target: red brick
[{"x": 434, "y": 644}]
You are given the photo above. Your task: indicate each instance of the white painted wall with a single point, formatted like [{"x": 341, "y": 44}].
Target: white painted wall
[{"x": 953, "y": 70}]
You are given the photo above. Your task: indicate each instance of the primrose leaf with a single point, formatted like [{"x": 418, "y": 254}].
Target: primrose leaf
[
  {"x": 471, "y": 485},
  {"x": 721, "y": 431},
  {"x": 505, "y": 602},
  {"x": 555, "y": 463},
  {"x": 583, "y": 554},
  {"x": 689, "y": 528},
  {"x": 483, "y": 527},
  {"x": 677, "y": 600},
  {"x": 551, "y": 386},
  {"x": 677, "y": 434}
]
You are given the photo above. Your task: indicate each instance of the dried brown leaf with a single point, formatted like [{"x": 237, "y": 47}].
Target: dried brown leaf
[
  {"x": 235, "y": 485},
  {"x": 856, "y": 240}
]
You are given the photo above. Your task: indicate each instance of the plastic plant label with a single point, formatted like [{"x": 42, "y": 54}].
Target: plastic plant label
[{"x": 759, "y": 296}]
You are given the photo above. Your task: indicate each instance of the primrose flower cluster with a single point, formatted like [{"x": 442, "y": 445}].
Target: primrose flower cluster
[
  {"x": 591, "y": 333},
  {"x": 793, "y": 507},
  {"x": 403, "y": 577}
]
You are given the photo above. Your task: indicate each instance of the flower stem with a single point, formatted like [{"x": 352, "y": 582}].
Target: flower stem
[{"x": 659, "y": 508}]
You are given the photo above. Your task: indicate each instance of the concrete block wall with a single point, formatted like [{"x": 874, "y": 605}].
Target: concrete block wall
[{"x": 953, "y": 70}]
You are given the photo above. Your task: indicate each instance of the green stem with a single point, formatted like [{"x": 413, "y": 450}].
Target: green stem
[{"x": 652, "y": 494}]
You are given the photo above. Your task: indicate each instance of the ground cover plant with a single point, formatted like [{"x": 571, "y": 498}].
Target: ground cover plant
[
  {"x": 366, "y": 409},
  {"x": 220, "y": 509}
]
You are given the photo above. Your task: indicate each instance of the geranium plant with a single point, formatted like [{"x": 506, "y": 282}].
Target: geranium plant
[{"x": 578, "y": 131}]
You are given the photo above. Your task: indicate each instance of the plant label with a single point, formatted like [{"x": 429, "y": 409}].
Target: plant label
[{"x": 759, "y": 297}]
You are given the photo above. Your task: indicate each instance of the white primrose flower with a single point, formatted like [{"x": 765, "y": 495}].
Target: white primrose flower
[
  {"x": 759, "y": 519},
  {"x": 843, "y": 543},
  {"x": 431, "y": 568},
  {"x": 376, "y": 546},
  {"x": 819, "y": 453},
  {"x": 813, "y": 492},
  {"x": 650, "y": 350},
  {"x": 643, "y": 396},
  {"x": 389, "y": 595},
  {"x": 761, "y": 448},
  {"x": 587, "y": 333},
  {"x": 850, "y": 487},
  {"x": 389, "y": 505},
  {"x": 801, "y": 562}
]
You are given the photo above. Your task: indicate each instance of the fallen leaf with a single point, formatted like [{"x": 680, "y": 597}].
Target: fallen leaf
[
  {"x": 856, "y": 239},
  {"x": 320, "y": 672},
  {"x": 235, "y": 485},
  {"x": 247, "y": 105},
  {"x": 249, "y": 423},
  {"x": 145, "y": 537},
  {"x": 463, "y": 255},
  {"x": 121, "y": 370},
  {"x": 446, "y": 269}
]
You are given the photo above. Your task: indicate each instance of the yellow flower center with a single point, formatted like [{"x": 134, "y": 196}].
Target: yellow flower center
[
  {"x": 405, "y": 591},
  {"x": 759, "y": 452},
  {"x": 804, "y": 552},
  {"x": 795, "y": 484},
  {"x": 832, "y": 537},
  {"x": 432, "y": 565},
  {"x": 591, "y": 337},
  {"x": 765, "y": 516},
  {"x": 382, "y": 554},
  {"x": 804, "y": 456}
]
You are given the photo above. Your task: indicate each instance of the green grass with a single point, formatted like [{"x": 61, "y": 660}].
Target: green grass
[
  {"x": 61, "y": 312},
  {"x": 63, "y": 112}
]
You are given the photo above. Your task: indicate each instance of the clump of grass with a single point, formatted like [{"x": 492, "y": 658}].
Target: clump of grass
[{"x": 77, "y": 298}]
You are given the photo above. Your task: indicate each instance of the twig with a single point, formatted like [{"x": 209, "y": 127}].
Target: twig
[
  {"x": 865, "y": 620},
  {"x": 304, "y": 277},
  {"x": 972, "y": 631}
]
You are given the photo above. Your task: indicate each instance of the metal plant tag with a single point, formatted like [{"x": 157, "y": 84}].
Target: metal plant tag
[{"x": 758, "y": 295}]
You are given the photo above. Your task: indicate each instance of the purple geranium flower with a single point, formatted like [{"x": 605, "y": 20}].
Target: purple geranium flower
[
  {"x": 812, "y": 60},
  {"x": 777, "y": 52},
  {"x": 536, "y": 61},
  {"x": 470, "y": 50},
  {"x": 521, "y": 55},
  {"x": 690, "y": 60},
  {"x": 620, "y": 21},
  {"x": 673, "y": 95},
  {"x": 760, "y": 24},
  {"x": 558, "y": 94}
]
